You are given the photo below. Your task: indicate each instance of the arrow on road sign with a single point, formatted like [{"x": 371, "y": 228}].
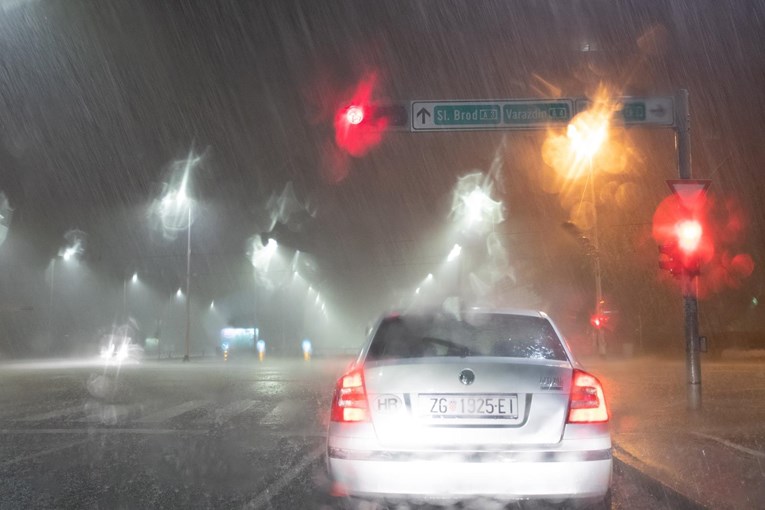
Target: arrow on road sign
[
  {"x": 423, "y": 113},
  {"x": 659, "y": 111}
]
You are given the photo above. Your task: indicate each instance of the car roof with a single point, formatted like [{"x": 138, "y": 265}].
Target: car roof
[{"x": 528, "y": 312}]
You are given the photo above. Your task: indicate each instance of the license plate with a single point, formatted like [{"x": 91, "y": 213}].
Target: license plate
[{"x": 468, "y": 406}]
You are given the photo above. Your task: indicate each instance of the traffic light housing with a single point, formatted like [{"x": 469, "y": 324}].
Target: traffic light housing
[
  {"x": 681, "y": 255},
  {"x": 669, "y": 259}
]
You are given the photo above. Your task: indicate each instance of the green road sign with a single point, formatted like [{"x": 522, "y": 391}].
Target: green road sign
[
  {"x": 466, "y": 114},
  {"x": 490, "y": 115},
  {"x": 530, "y": 114},
  {"x": 639, "y": 111},
  {"x": 524, "y": 114}
]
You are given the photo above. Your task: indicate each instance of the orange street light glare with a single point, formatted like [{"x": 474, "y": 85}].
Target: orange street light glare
[{"x": 587, "y": 134}]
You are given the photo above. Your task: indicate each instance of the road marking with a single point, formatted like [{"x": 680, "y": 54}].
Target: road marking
[
  {"x": 224, "y": 414},
  {"x": 58, "y": 413},
  {"x": 729, "y": 444},
  {"x": 172, "y": 412},
  {"x": 282, "y": 413},
  {"x": 102, "y": 431},
  {"x": 43, "y": 453},
  {"x": 275, "y": 488}
]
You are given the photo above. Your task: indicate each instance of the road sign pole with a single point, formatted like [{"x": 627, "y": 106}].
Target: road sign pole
[{"x": 690, "y": 284}]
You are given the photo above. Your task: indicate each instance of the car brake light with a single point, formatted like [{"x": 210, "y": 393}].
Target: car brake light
[
  {"x": 350, "y": 401},
  {"x": 588, "y": 405}
]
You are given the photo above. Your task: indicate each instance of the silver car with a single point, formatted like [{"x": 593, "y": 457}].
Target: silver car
[{"x": 479, "y": 404}]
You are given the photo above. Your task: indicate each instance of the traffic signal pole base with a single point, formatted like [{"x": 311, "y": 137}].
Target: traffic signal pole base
[
  {"x": 601, "y": 341},
  {"x": 694, "y": 397}
]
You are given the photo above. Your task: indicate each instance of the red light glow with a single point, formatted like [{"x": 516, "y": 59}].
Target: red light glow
[
  {"x": 356, "y": 130},
  {"x": 354, "y": 115},
  {"x": 688, "y": 235},
  {"x": 350, "y": 401},
  {"x": 709, "y": 231},
  {"x": 588, "y": 404}
]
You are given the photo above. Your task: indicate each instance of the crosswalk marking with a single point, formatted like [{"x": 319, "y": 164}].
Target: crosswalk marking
[
  {"x": 282, "y": 413},
  {"x": 172, "y": 412},
  {"x": 56, "y": 413},
  {"x": 109, "y": 414},
  {"x": 226, "y": 413},
  {"x": 285, "y": 412}
]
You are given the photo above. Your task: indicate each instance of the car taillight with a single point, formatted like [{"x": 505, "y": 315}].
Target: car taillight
[
  {"x": 587, "y": 402},
  {"x": 350, "y": 401}
]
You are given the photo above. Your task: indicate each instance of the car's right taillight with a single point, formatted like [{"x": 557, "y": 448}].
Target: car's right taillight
[
  {"x": 587, "y": 404},
  {"x": 349, "y": 403}
]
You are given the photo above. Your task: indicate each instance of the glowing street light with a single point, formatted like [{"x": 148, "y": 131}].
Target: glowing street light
[
  {"x": 472, "y": 206},
  {"x": 69, "y": 252},
  {"x": 172, "y": 206},
  {"x": 271, "y": 247},
  {"x": 261, "y": 254},
  {"x": 66, "y": 253},
  {"x": 133, "y": 280},
  {"x": 587, "y": 137}
]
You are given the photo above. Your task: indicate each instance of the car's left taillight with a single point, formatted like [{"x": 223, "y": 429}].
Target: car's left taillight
[{"x": 349, "y": 404}]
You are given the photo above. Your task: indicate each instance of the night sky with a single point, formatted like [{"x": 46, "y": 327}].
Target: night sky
[{"x": 100, "y": 100}]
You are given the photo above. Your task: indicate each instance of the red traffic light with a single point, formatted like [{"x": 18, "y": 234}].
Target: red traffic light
[
  {"x": 354, "y": 115},
  {"x": 361, "y": 125},
  {"x": 689, "y": 234},
  {"x": 361, "y": 121},
  {"x": 358, "y": 129},
  {"x": 681, "y": 227},
  {"x": 598, "y": 321}
]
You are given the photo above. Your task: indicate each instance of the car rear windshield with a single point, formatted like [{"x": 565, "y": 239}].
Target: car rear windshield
[{"x": 503, "y": 335}]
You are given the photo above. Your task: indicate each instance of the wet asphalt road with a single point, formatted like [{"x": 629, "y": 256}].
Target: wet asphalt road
[{"x": 171, "y": 435}]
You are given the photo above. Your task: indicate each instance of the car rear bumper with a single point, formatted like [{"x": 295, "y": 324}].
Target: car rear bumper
[
  {"x": 578, "y": 467},
  {"x": 513, "y": 475}
]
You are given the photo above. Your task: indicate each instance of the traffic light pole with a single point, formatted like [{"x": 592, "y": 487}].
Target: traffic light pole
[
  {"x": 599, "y": 333},
  {"x": 689, "y": 282}
]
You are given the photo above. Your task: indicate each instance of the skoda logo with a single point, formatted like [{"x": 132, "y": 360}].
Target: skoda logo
[{"x": 467, "y": 377}]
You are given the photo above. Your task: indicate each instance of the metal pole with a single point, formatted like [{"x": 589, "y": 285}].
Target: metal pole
[
  {"x": 124, "y": 298},
  {"x": 690, "y": 285},
  {"x": 50, "y": 307},
  {"x": 188, "y": 287},
  {"x": 598, "y": 276}
]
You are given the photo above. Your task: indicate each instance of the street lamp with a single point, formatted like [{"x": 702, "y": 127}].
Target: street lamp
[
  {"x": 174, "y": 205},
  {"x": 66, "y": 253},
  {"x": 586, "y": 135},
  {"x": 133, "y": 280},
  {"x": 472, "y": 206},
  {"x": 454, "y": 253}
]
